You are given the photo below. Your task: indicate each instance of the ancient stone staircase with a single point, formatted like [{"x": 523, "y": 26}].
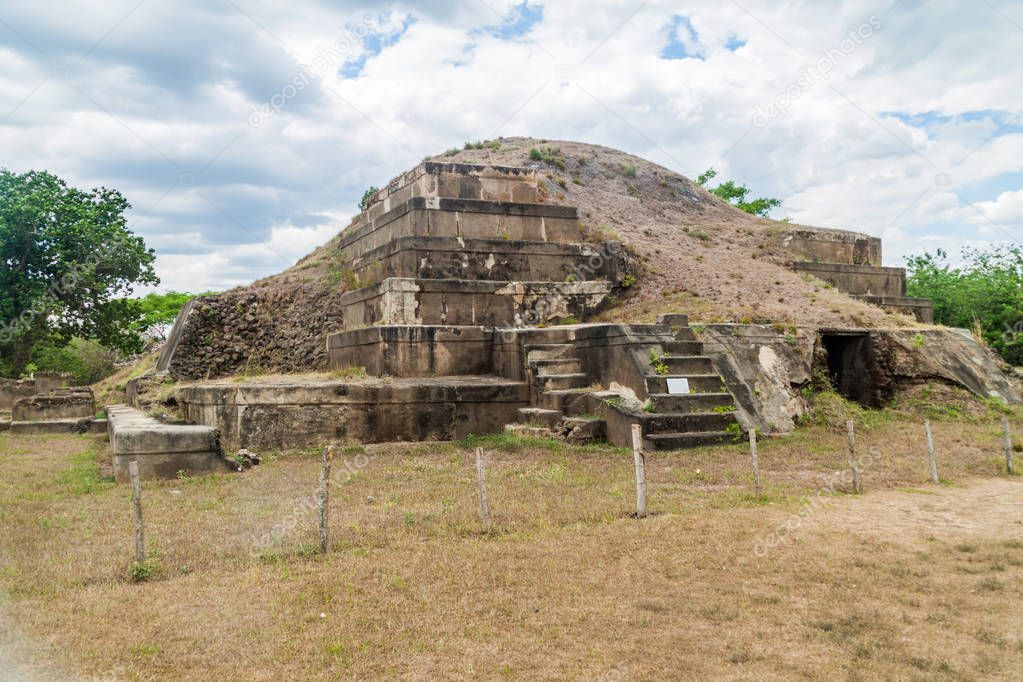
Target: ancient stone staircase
[{"x": 563, "y": 396}]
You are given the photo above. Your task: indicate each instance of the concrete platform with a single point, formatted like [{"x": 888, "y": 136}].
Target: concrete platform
[
  {"x": 162, "y": 450},
  {"x": 291, "y": 412}
]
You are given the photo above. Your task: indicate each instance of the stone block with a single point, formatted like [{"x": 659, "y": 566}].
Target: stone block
[{"x": 162, "y": 450}]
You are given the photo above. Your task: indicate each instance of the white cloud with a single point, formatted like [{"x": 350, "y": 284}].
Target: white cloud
[{"x": 171, "y": 89}]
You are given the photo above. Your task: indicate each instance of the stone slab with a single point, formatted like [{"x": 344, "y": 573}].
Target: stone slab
[
  {"x": 77, "y": 403},
  {"x": 162, "y": 450}
]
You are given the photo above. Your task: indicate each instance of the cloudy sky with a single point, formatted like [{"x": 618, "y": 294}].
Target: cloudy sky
[{"x": 243, "y": 132}]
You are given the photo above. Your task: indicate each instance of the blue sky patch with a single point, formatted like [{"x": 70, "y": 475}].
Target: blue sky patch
[
  {"x": 733, "y": 43},
  {"x": 372, "y": 45},
  {"x": 519, "y": 21},
  {"x": 683, "y": 40}
]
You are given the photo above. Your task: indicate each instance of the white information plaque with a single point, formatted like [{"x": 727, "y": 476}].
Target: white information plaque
[{"x": 678, "y": 386}]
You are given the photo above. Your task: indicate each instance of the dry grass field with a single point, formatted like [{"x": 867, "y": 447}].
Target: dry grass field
[{"x": 909, "y": 580}]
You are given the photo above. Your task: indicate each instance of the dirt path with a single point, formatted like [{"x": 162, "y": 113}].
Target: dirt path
[{"x": 986, "y": 508}]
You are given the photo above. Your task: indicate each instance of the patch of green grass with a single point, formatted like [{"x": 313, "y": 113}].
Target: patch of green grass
[
  {"x": 83, "y": 476},
  {"x": 509, "y": 442},
  {"x": 630, "y": 171}
]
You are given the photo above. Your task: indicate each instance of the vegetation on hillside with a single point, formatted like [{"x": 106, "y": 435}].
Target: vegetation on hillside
[
  {"x": 737, "y": 195},
  {"x": 984, "y": 294}
]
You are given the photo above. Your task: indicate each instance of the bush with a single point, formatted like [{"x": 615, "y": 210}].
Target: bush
[
  {"x": 535, "y": 154},
  {"x": 366, "y": 196},
  {"x": 985, "y": 294},
  {"x": 86, "y": 359}
]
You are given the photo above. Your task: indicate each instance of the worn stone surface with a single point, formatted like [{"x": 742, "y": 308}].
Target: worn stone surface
[
  {"x": 823, "y": 245},
  {"x": 41, "y": 382},
  {"x": 68, "y": 403},
  {"x": 289, "y": 412},
  {"x": 397, "y": 301},
  {"x": 162, "y": 450}
]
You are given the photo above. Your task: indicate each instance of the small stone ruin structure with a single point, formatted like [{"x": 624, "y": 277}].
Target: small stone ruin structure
[{"x": 48, "y": 403}]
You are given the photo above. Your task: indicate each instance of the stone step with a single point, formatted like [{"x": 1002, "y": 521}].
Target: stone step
[
  {"x": 698, "y": 383},
  {"x": 684, "y": 334},
  {"x": 549, "y": 351},
  {"x": 556, "y": 366},
  {"x": 538, "y": 416},
  {"x": 685, "y": 365},
  {"x": 554, "y": 382},
  {"x": 680, "y": 441},
  {"x": 562, "y": 400},
  {"x": 694, "y": 402},
  {"x": 673, "y": 319},
  {"x": 683, "y": 347},
  {"x": 529, "y": 430},
  {"x": 692, "y": 422}
]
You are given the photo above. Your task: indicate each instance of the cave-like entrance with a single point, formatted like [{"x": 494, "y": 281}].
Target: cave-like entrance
[{"x": 850, "y": 365}]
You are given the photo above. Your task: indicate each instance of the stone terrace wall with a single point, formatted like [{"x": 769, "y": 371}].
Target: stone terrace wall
[{"x": 257, "y": 330}]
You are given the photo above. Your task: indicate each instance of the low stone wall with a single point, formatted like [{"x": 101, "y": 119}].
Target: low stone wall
[
  {"x": 76, "y": 403},
  {"x": 860, "y": 280},
  {"x": 293, "y": 413},
  {"x": 823, "y": 245},
  {"x": 161, "y": 450},
  {"x": 41, "y": 382}
]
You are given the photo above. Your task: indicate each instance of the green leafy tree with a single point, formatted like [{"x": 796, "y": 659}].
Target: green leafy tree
[
  {"x": 67, "y": 261},
  {"x": 737, "y": 195},
  {"x": 158, "y": 311},
  {"x": 984, "y": 294}
]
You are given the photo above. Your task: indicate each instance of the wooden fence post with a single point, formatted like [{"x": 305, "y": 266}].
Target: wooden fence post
[
  {"x": 324, "y": 496},
  {"x": 640, "y": 461},
  {"x": 851, "y": 429},
  {"x": 136, "y": 506},
  {"x": 481, "y": 483},
  {"x": 1007, "y": 445},
  {"x": 930, "y": 451},
  {"x": 753, "y": 459}
]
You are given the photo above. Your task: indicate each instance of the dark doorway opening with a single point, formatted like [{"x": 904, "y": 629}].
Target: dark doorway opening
[{"x": 850, "y": 362}]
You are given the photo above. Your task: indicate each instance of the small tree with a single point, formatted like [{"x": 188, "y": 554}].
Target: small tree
[
  {"x": 366, "y": 197},
  {"x": 736, "y": 195}
]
